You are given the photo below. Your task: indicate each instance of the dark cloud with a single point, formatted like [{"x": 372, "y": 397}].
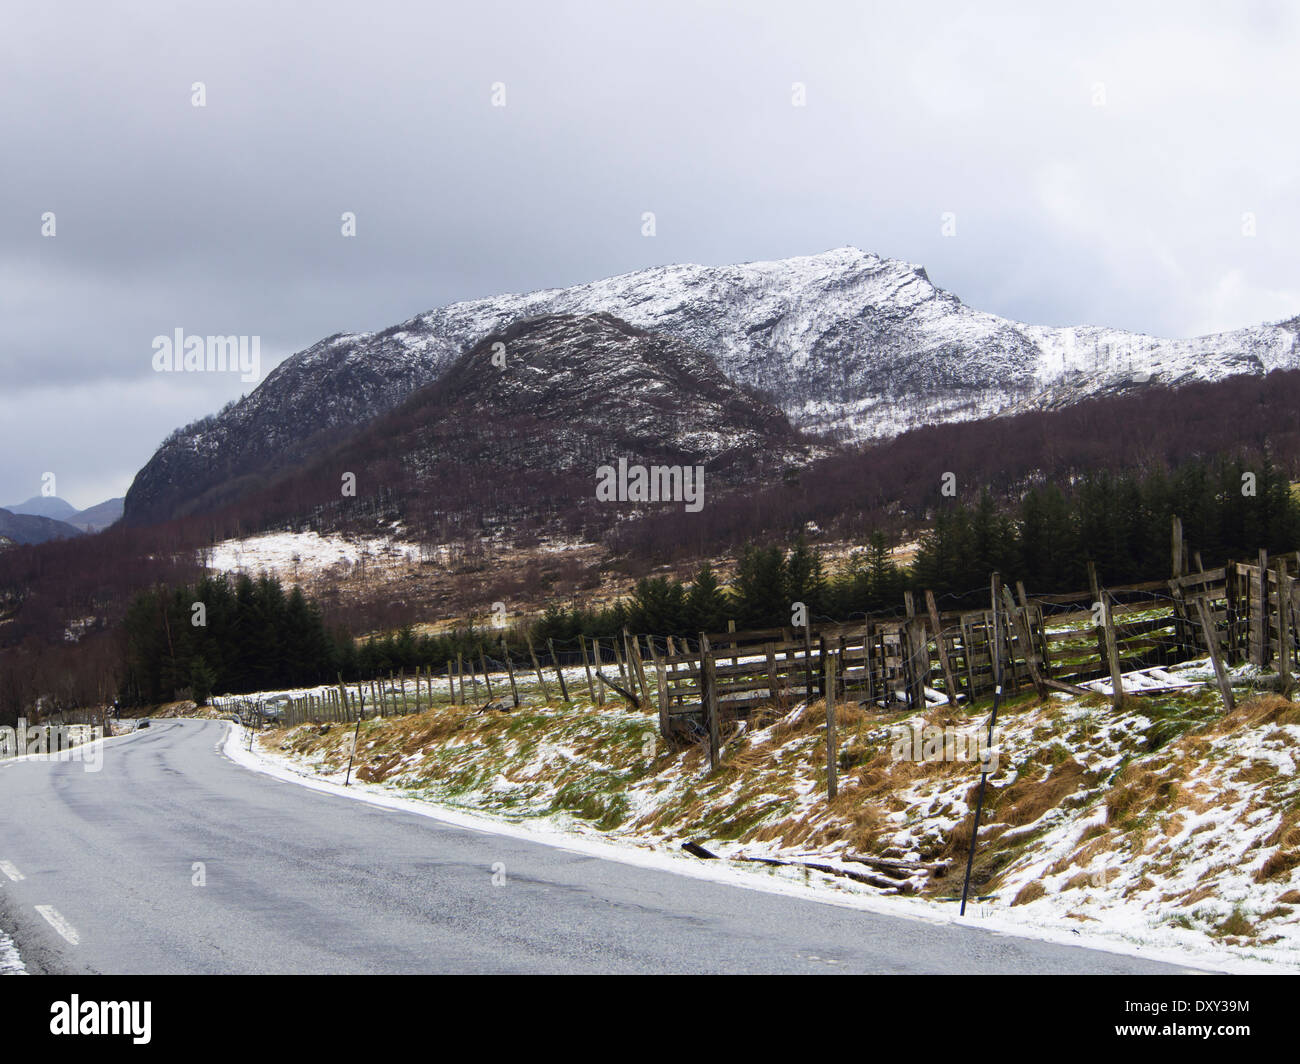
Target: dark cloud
[{"x": 225, "y": 219}]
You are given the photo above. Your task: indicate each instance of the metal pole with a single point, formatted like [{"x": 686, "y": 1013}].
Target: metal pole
[{"x": 361, "y": 712}]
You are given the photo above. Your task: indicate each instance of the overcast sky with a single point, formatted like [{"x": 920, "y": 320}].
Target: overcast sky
[{"x": 1099, "y": 161}]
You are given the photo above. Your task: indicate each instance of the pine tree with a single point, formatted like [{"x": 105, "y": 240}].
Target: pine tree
[
  {"x": 657, "y": 606},
  {"x": 760, "y": 588},
  {"x": 706, "y": 604},
  {"x": 885, "y": 578},
  {"x": 805, "y": 578}
]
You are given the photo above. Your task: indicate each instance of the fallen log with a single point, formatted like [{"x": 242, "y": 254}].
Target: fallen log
[
  {"x": 868, "y": 878},
  {"x": 904, "y": 869},
  {"x": 1068, "y": 688},
  {"x": 636, "y": 702}
]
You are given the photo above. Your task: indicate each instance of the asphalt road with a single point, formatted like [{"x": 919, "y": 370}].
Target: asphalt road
[{"x": 302, "y": 882}]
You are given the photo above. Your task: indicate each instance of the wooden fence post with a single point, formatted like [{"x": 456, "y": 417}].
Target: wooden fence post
[
  {"x": 1260, "y": 617},
  {"x": 537, "y": 667},
  {"x": 1212, "y": 644},
  {"x": 1183, "y": 628},
  {"x": 510, "y": 668},
  {"x": 832, "y": 765},
  {"x": 968, "y": 650},
  {"x": 917, "y": 652},
  {"x": 633, "y": 684},
  {"x": 868, "y": 661},
  {"x": 586, "y": 665},
  {"x": 618, "y": 660},
  {"x": 949, "y": 679},
  {"x": 344, "y": 692},
  {"x": 1094, "y": 587},
  {"x": 1022, "y": 633},
  {"x": 709, "y": 689},
  {"x": 564, "y": 690},
  {"x": 1112, "y": 654},
  {"x": 1285, "y": 643},
  {"x": 674, "y": 696},
  {"x": 1001, "y": 640},
  {"x": 595, "y": 653},
  {"x": 807, "y": 660},
  {"x": 627, "y": 658},
  {"x": 662, "y": 684},
  {"x": 638, "y": 663},
  {"x": 773, "y": 685},
  {"x": 1231, "y": 611}
]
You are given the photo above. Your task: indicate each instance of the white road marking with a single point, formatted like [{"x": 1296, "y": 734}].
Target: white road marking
[
  {"x": 57, "y": 921},
  {"x": 11, "y": 871}
]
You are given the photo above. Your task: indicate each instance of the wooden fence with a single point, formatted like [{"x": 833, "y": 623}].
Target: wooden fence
[
  {"x": 1044, "y": 642},
  {"x": 608, "y": 663},
  {"x": 1242, "y": 612}
]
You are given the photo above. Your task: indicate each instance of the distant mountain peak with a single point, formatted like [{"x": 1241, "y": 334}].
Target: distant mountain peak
[{"x": 44, "y": 506}]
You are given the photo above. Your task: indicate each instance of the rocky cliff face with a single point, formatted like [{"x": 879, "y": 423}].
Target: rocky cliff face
[
  {"x": 549, "y": 418},
  {"x": 605, "y": 389}
]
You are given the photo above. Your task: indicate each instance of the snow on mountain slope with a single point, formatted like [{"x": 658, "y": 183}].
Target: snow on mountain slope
[
  {"x": 845, "y": 342},
  {"x": 1075, "y": 363}
]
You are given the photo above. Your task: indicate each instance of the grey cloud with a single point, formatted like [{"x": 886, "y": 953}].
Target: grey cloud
[{"x": 225, "y": 219}]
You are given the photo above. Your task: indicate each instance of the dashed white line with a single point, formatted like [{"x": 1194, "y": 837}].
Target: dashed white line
[
  {"x": 11, "y": 870},
  {"x": 57, "y": 921}
]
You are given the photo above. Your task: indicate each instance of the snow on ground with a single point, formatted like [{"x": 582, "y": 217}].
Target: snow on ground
[
  {"x": 10, "y": 962},
  {"x": 295, "y": 555}
]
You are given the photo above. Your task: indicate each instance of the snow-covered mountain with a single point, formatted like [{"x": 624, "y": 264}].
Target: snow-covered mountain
[
  {"x": 845, "y": 342},
  {"x": 521, "y": 423}
]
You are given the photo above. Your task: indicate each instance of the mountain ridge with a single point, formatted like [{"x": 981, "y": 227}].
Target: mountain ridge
[
  {"x": 847, "y": 342},
  {"x": 23, "y": 529},
  {"x": 92, "y": 519}
]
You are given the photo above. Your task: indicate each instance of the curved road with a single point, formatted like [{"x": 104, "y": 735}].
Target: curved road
[{"x": 303, "y": 882}]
